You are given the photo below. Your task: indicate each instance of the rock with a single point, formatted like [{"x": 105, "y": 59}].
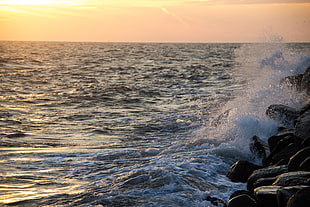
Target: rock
[
  {"x": 305, "y": 82},
  {"x": 287, "y": 136},
  {"x": 300, "y": 199},
  {"x": 293, "y": 81},
  {"x": 298, "y": 158},
  {"x": 264, "y": 182},
  {"x": 266, "y": 196},
  {"x": 259, "y": 147},
  {"x": 216, "y": 201},
  {"x": 293, "y": 178},
  {"x": 267, "y": 172},
  {"x": 284, "y": 194},
  {"x": 241, "y": 170},
  {"x": 241, "y": 192},
  {"x": 302, "y": 127},
  {"x": 305, "y": 165},
  {"x": 283, "y": 155},
  {"x": 305, "y": 109},
  {"x": 285, "y": 114},
  {"x": 242, "y": 201}
]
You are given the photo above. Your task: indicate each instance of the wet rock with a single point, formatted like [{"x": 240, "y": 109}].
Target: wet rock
[
  {"x": 241, "y": 170},
  {"x": 305, "y": 82},
  {"x": 242, "y": 201},
  {"x": 259, "y": 147},
  {"x": 300, "y": 199},
  {"x": 285, "y": 114},
  {"x": 264, "y": 182},
  {"x": 302, "y": 127},
  {"x": 285, "y": 137},
  {"x": 305, "y": 109},
  {"x": 266, "y": 196},
  {"x": 216, "y": 201},
  {"x": 283, "y": 155},
  {"x": 293, "y": 81},
  {"x": 284, "y": 194},
  {"x": 298, "y": 158},
  {"x": 293, "y": 178},
  {"x": 305, "y": 165},
  {"x": 241, "y": 192},
  {"x": 267, "y": 172}
]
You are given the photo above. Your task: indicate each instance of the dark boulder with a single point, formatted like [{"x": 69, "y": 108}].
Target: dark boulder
[
  {"x": 302, "y": 128},
  {"x": 241, "y": 192},
  {"x": 285, "y": 114},
  {"x": 305, "y": 165},
  {"x": 305, "y": 109},
  {"x": 267, "y": 172},
  {"x": 266, "y": 196},
  {"x": 282, "y": 155},
  {"x": 284, "y": 194},
  {"x": 287, "y": 136},
  {"x": 242, "y": 200},
  {"x": 300, "y": 199},
  {"x": 259, "y": 148},
  {"x": 241, "y": 170},
  {"x": 305, "y": 82},
  {"x": 216, "y": 201},
  {"x": 293, "y": 178},
  {"x": 264, "y": 182},
  {"x": 293, "y": 81},
  {"x": 298, "y": 158}
]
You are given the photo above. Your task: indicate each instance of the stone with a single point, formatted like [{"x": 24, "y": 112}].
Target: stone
[
  {"x": 274, "y": 141},
  {"x": 268, "y": 172},
  {"x": 241, "y": 192},
  {"x": 284, "y": 194},
  {"x": 285, "y": 114},
  {"x": 302, "y": 127},
  {"x": 293, "y": 81},
  {"x": 282, "y": 154},
  {"x": 216, "y": 201},
  {"x": 241, "y": 170},
  {"x": 264, "y": 182},
  {"x": 266, "y": 196},
  {"x": 298, "y": 158},
  {"x": 305, "y": 165},
  {"x": 259, "y": 147},
  {"x": 305, "y": 108},
  {"x": 242, "y": 201},
  {"x": 300, "y": 199},
  {"x": 305, "y": 82},
  {"x": 293, "y": 178}
]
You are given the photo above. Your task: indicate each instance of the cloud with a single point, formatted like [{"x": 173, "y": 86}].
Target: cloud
[
  {"x": 221, "y": 2},
  {"x": 172, "y": 14}
]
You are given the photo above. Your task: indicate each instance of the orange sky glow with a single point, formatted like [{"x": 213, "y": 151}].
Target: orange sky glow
[{"x": 155, "y": 20}]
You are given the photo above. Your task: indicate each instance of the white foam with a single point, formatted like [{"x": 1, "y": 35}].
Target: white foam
[{"x": 262, "y": 66}]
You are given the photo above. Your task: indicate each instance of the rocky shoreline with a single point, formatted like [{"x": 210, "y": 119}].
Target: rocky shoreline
[{"x": 283, "y": 180}]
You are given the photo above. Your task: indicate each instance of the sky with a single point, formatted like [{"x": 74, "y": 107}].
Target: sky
[{"x": 155, "y": 20}]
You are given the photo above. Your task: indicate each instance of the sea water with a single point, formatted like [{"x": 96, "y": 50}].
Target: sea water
[{"x": 135, "y": 124}]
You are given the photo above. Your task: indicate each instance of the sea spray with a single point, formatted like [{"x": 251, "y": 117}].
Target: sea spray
[
  {"x": 263, "y": 65},
  {"x": 147, "y": 124}
]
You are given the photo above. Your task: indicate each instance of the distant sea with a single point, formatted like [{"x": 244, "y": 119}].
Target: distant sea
[{"x": 135, "y": 124}]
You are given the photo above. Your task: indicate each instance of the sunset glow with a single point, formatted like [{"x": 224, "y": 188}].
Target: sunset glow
[{"x": 154, "y": 21}]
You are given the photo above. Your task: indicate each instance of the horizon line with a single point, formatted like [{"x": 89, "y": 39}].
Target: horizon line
[{"x": 190, "y": 42}]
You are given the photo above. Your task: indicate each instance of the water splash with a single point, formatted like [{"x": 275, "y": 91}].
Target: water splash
[{"x": 263, "y": 66}]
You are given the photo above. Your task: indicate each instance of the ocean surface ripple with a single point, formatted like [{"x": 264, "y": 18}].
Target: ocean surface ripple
[{"x": 134, "y": 124}]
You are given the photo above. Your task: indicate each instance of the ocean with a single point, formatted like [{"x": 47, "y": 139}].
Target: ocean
[{"x": 135, "y": 124}]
